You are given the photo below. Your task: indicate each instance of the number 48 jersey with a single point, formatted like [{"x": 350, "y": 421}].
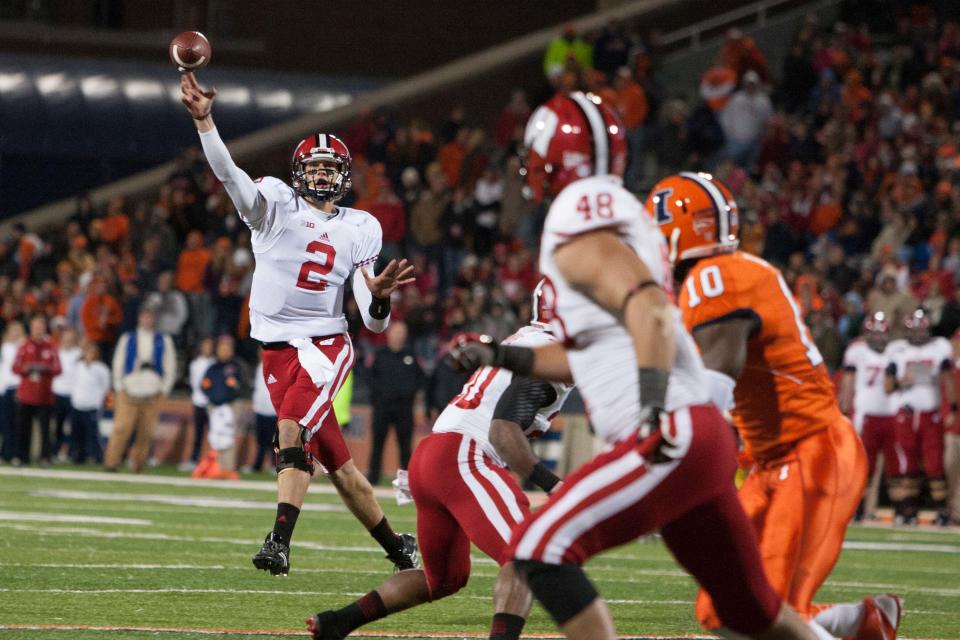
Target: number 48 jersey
[
  {"x": 303, "y": 261},
  {"x": 471, "y": 411},
  {"x": 784, "y": 392}
]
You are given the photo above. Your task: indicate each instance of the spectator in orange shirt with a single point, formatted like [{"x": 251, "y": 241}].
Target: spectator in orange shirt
[
  {"x": 631, "y": 102},
  {"x": 855, "y": 95},
  {"x": 113, "y": 228},
  {"x": 451, "y": 156},
  {"x": 100, "y": 316},
  {"x": 191, "y": 267}
]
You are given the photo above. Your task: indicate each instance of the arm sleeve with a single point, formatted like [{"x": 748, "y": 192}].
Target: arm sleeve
[
  {"x": 522, "y": 399},
  {"x": 18, "y": 362},
  {"x": 119, "y": 354},
  {"x": 364, "y": 298},
  {"x": 56, "y": 368},
  {"x": 169, "y": 365},
  {"x": 249, "y": 200}
]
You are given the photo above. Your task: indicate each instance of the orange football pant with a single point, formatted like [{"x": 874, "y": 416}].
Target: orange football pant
[{"x": 800, "y": 503}]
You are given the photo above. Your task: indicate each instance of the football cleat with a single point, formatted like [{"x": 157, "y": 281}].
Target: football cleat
[
  {"x": 881, "y": 618},
  {"x": 408, "y": 557},
  {"x": 322, "y": 626},
  {"x": 274, "y": 556}
]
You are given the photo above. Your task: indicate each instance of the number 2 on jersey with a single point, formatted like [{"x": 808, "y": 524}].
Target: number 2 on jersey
[{"x": 311, "y": 272}]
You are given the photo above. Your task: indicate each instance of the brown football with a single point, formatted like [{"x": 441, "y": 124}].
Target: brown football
[{"x": 190, "y": 51}]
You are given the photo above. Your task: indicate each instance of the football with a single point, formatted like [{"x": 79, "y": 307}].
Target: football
[{"x": 190, "y": 51}]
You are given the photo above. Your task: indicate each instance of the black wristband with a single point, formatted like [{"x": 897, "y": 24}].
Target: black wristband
[
  {"x": 516, "y": 359},
  {"x": 653, "y": 387},
  {"x": 953, "y": 407},
  {"x": 379, "y": 307},
  {"x": 543, "y": 477}
]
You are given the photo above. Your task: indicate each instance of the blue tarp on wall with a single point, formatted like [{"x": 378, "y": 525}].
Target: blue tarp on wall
[{"x": 70, "y": 124}]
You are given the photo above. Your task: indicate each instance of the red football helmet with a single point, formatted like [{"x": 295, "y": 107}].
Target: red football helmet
[
  {"x": 319, "y": 183},
  {"x": 876, "y": 323},
  {"x": 876, "y": 330},
  {"x": 544, "y": 305},
  {"x": 570, "y": 137},
  {"x": 697, "y": 215},
  {"x": 917, "y": 325}
]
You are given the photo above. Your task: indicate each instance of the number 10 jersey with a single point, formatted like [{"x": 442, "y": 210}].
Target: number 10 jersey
[{"x": 784, "y": 391}]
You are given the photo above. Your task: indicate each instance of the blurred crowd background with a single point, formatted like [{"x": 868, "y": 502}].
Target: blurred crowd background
[{"x": 844, "y": 159}]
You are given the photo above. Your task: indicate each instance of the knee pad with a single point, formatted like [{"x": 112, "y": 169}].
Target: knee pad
[
  {"x": 293, "y": 458},
  {"x": 563, "y": 589}
]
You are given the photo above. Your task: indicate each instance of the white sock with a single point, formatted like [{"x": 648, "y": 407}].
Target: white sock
[
  {"x": 889, "y": 606},
  {"x": 822, "y": 633},
  {"x": 841, "y": 620}
]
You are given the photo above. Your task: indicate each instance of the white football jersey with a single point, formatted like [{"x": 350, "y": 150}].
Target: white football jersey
[
  {"x": 601, "y": 354},
  {"x": 869, "y": 369},
  {"x": 471, "y": 411},
  {"x": 303, "y": 261},
  {"x": 924, "y": 363}
]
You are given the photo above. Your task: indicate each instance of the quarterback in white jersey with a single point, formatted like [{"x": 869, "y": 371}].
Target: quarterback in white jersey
[
  {"x": 919, "y": 366},
  {"x": 306, "y": 249},
  {"x": 464, "y": 494},
  {"x": 645, "y": 388}
]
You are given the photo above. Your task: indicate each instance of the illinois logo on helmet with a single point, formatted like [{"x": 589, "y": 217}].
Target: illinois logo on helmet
[
  {"x": 318, "y": 148},
  {"x": 569, "y": 137},
  {"x": 697, "y": 215}
]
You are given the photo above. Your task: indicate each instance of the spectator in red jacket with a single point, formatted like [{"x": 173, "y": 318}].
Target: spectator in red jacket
[{"x": 37, "y": 364}]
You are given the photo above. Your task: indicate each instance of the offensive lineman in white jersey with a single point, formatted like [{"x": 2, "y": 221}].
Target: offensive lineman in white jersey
[
  {"x": 306, "y": 249},
  {"x": 919, "y": 366},
  {"x": 671, "y": 461},
  {"x": 862, "y": 394},
  {"x": 464, "y": 493}
]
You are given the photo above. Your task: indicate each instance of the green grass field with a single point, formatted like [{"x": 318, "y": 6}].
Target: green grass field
[{"x": 89, "y": 555}]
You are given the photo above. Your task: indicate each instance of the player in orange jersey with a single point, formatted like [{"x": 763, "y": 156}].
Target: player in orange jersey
[{"x": 809, "y": 466}]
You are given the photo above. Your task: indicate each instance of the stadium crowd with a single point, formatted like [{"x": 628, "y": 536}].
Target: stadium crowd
[{"x": 845, "y": 163}]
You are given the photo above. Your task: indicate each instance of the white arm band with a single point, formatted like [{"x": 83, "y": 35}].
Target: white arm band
[
  {"x": 363, "y": 297},
  {"x": 251, "y": 204},
  {"x": 720, "y": 387}
]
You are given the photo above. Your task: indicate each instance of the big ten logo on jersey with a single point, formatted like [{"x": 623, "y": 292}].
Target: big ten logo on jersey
[{"x": 323, "y": 256}]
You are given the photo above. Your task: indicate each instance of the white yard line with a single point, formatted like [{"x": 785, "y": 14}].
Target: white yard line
[
  {"x": 278, "y": 592},
  {"x": 901, "y": 546},
  {"x": 26, "y": 516},
  {"x": 172, "y": 481},
  {"x": 176, "y": 500}
]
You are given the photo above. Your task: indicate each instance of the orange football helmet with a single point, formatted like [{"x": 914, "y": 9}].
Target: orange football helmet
[{"x": 697, "y": 215}]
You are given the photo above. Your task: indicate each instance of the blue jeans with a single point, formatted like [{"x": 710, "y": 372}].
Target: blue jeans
[
  {"x": 8, "y": 421},
  {"x": 85, "y": 436}
]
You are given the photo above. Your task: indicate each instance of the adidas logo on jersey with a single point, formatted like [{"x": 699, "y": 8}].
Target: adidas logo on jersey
[
  {"x": 324, "y": 236},
  {"x": 271, "y": 379}
]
